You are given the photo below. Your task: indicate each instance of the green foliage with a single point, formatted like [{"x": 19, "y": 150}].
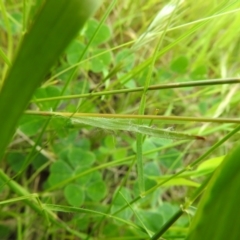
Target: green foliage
[
  {"x": 180, "y": 65},
  {"x": 102, "y": 62},
  {"x": 34, "y": 58},
  {"x": 30, "y": 125},
  {"x": 74, "y": 50},
  {"x": 82, "y": 176},
  {"x": 47, "y": 92},
  {"x": 97, "y": 190},
  {"x": 200, "y": 72},
  {"x": 74, "y": 195},
  {"x": 16, "y": 161},
  {"x": 213, "y": 209},
  {"x": 103, "y": 34},
  {"x": 5, "y": 232},
  {"x": 152, "y": 219},
  {"x": 74, "y": 161}
]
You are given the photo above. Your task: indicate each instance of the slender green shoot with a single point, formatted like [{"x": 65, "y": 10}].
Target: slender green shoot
[{"x": 126, "y": 125}]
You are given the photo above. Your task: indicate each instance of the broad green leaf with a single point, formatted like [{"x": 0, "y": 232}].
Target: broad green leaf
[
  {"x": 180, "y": 65},
  {"x": 126, "y": 57},
  {"x": 96, "y": 177},
  {"x": 119, "y": 200},
  {"x": 30, "y": 125},
  {"x": 163, "y": 75},
  {"x": 119, "y": 153},
  {"x": 60, "y": 171},
  {"x": 78, "y": 157},
  {"x": 71, "y": 141},
  {"x": 75, "y": 162},
  {"x": 149, "y": 183},
  {"x": 151, "y": 219},
  {"x": 40, "y": 48},
  {"x": 199, "y": 73},
  {"x": 46, "y": 92},
  {"x": 147, "y": 146},
  {"x": 74, "y": 51},
  {"x": 74, "y": 195},
  {"x": 218, "y": 211},
  {"x": 97, "y": 190},
  {"x": 151, "y": 169},
  {"x": 82, "y": 221},
  {"x": 38, "y": 161},
  {"x": 129, "y": 84},
  {"x": 63, "y": 76},
  {"x": 85, "y": 179},
  {"x": 98, "y": 64},
  {"x": 109, "y": 142},
  {"x": 166, "y": 209},
  {"x": 170, "y": 159},
  {"x": 16, "y": 161},
  {"x": 125, "y": 214},
  {"x": 111, "y": 229},
  {"x": 103, "y": 34}
]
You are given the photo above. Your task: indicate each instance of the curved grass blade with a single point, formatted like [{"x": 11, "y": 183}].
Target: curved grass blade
[
  {"x": 217, "y": 217},
  {"x": 55, "y": 25}
]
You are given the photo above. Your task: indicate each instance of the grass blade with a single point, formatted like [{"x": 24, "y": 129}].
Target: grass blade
[
  {"x": 216, "y": 216},
  {"x": 39, "y": 50},
  {"x": 118, "y": 124}
]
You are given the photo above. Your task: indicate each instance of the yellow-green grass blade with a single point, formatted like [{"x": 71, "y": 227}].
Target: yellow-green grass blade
[
  {"x": 54, "y": 26},
  {"x": 217, "y": 217},
  {"x": 4, "y": 57}
]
